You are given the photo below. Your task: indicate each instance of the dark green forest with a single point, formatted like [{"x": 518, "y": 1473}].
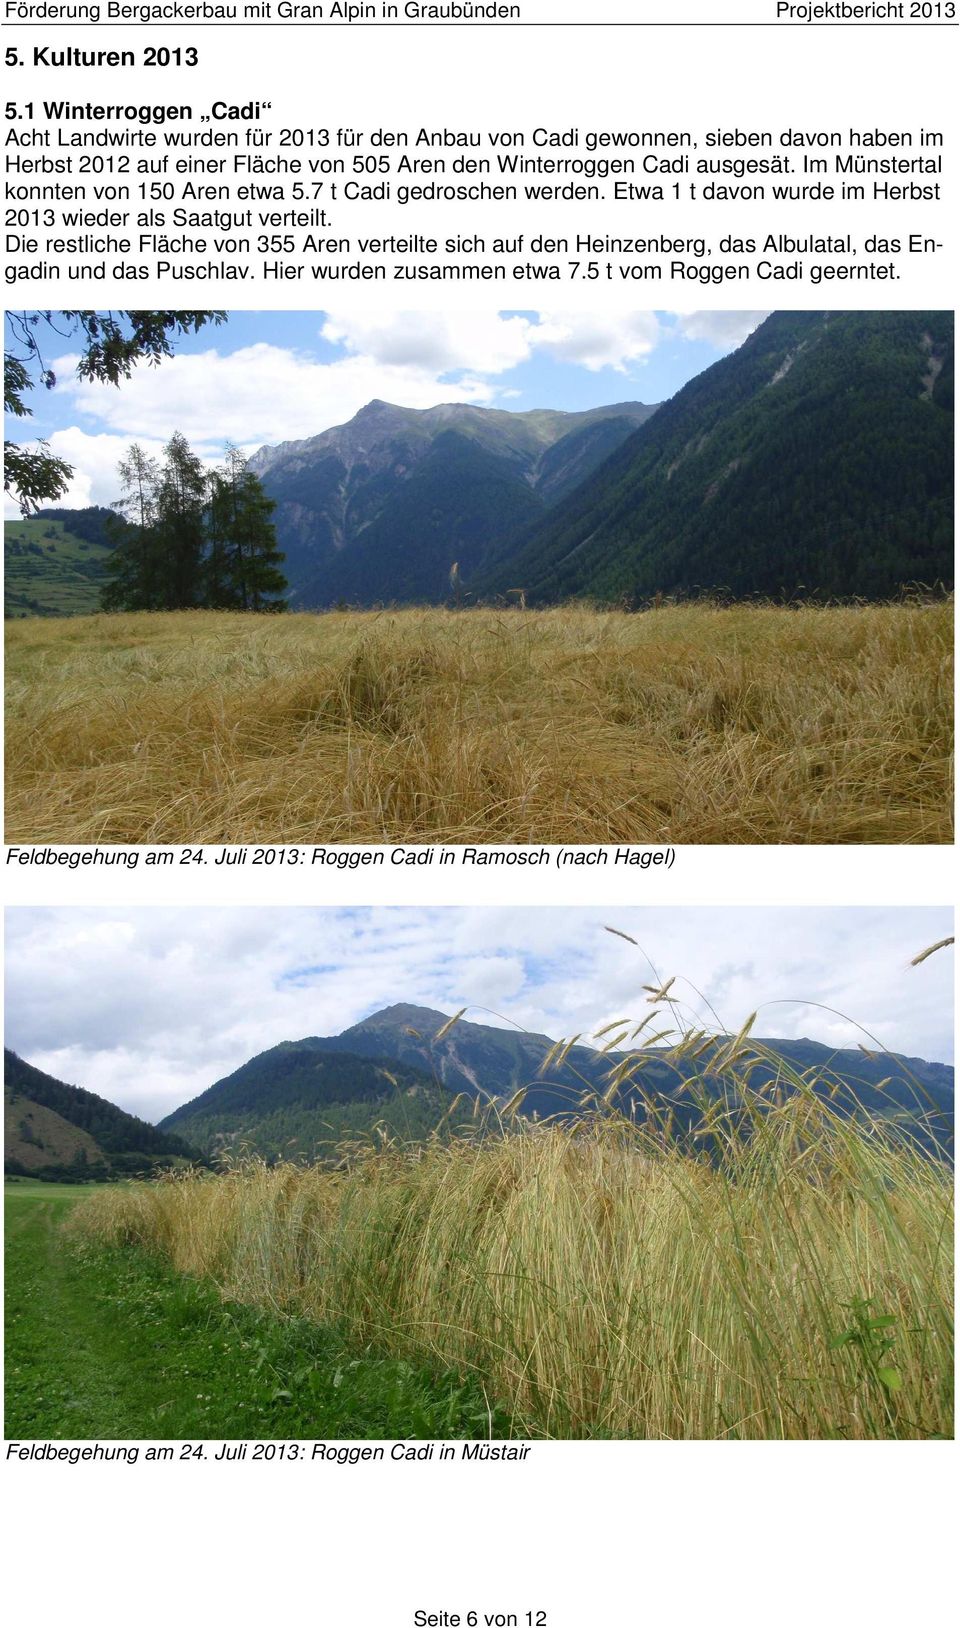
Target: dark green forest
[
  {"x": 457, "y": 502},
  {"x": 378, "y": 510},
  {"x": 817, "y": 460},
  {"x": 305, "y": 1135},
  {"x": 299, "y": 1102},
  {"x": 130, "y": 1146}
]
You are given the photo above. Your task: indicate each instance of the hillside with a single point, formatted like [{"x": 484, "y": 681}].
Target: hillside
[
  {"x": 491, "y": 1064},
  {"x": 301, "y": 1100},
  {"x": 36, "y": 1139},
  {"x": 816, "y": 459},
  {"x": 54, "y": 563},
  {"x": 380, "y": 508},
  {"x": 60, "y": 1131}
]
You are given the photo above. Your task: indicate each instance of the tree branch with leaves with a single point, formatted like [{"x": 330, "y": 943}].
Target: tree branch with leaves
[{"x": 112, "y": 344}]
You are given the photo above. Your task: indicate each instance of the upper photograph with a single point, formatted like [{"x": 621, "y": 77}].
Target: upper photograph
[{"x": 503, "y": 576}]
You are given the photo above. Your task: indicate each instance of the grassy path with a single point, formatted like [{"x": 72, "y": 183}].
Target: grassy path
[
  {"x": 61, "y": 1368},
  {"x": 113, "y": 1345}
]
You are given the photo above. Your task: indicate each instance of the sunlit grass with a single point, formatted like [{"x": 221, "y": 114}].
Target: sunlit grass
[{"x": 689, "y": 723}]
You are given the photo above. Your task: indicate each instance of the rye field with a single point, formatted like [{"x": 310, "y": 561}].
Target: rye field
[
  {"x": 686, "y": 723},
  {"x": 599, "y": 1279}
]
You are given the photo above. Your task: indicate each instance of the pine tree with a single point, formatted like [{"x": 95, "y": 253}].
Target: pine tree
[
  {"x": 134, "y": 566},
  {"x": 181, "y": 503},
  {"x": 243, "y": 564},
  {"x": 193, "y": 540}
]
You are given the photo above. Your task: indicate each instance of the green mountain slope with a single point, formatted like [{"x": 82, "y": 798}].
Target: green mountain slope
[
  {"x": 302, "y": 1100},
  {"x": 113, "y": 1142},
  {"x": 36, "y": 1139},
  {"x": 817, "y": 458},
  {"x": 381, "y": 507},
  {"x": 458, "y": 501},
  {"x": 323, "y": 1075},
  {"x": 54, "y": 564}
]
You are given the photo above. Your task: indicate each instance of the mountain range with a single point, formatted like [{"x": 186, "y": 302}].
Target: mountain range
[
  {"x": 817, "y": 459},
  {"x": 814, "y": 461},
  {"x": 382, "y": 507},
  {"x": 409, "y": 1072},
  {"x": 60, "y": 1132},
  {"x": 405, "y": 1055}
]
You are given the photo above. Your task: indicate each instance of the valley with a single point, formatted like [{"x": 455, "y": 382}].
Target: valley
[
  {"x": 723, "y": 618},
  {"x": 814, "y": 462},
  {"x": 63, "y": 1133},
  {"x": 427, "y": 1225}
]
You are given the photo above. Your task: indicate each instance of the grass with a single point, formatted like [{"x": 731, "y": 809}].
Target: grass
[
  {"x": 112, "y": 1344},
  {"x": 689, "y": 723},
  {"x": 792, "y": 1280}
]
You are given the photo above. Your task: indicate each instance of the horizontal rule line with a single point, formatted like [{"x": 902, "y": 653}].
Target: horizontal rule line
[{"x": 296, "y": 23}]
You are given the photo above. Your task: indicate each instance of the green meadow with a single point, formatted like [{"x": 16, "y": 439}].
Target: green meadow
[
  {"x": 112, "y": 1344},
  {"x": 50, "y": 572}
]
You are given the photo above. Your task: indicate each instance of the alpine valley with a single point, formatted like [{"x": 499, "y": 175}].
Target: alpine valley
[{"x": 816, "y": 461}]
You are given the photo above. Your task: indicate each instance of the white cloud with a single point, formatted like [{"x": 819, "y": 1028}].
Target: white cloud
[
  {"x": 94, "y": 460},
  {"x": 258, "y": 393},
  {"x": 264, "y": 394},
  {"x": 725, "y": 330},
  {"x": 490, "y": 343},
  {"x": 596, "y": 340},
  {"x": 149, "y": 1007},
  {"x": 428, "y": 341}
]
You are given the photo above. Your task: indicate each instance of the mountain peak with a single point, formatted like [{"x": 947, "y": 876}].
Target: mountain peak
[
  {"x": 403, "y": 1014},
  {"x": 378, "y": 508}
]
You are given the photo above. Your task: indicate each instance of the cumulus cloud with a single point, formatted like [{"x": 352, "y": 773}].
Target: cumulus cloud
[
  {"x": 93, "y": 460},
  {"x": 491, "y": 343},
  {"x": 265, "y": 393},
  {"x": 259, "y": 393},
  {"x": 428, "y": 341},
  {"x": 597, "y": 340},
  {"x": 725, "y": 330},
  {"x": 151, "y": 1006}
]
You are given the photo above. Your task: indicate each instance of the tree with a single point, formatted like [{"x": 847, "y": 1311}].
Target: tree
[
  {"x": 243, "y": 562},
  {"x": 192, "y": 539},
  {"x": 113, "y": 342},
  {"x": 134, "y": 570},
  {"x": 180, "y": 524}
]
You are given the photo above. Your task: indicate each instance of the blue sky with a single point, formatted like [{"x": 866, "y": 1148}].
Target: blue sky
[
  {"x": 150, "y": 1006},
  {"x": 269, "y": 376}
]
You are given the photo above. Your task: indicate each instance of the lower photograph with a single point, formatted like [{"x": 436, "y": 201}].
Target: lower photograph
[{"x": 479, "y": 1173}]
